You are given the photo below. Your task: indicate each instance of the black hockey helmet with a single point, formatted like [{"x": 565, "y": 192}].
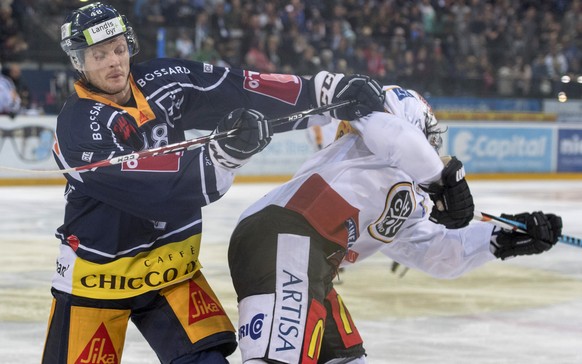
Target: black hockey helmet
[{"x": 93, "y": 24}]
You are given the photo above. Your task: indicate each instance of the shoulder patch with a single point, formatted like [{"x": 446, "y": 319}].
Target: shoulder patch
[
  {"x": 285, "y": 88},
  {"x": 400, "y": 204}
]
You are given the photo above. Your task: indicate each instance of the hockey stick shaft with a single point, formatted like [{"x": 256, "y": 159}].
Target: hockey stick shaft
[
  {"x": 314, "y": 111},
  {"x": 188, "y": 144},
  {"x": 520, "y": 228}
]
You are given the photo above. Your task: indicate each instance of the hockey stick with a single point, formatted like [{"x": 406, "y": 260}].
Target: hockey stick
[
  {"x": 187, "y": 144},
  {"x": 520, "y": 228}
]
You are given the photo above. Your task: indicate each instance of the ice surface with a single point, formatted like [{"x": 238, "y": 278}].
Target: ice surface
[{"x": 526, "y": 310}]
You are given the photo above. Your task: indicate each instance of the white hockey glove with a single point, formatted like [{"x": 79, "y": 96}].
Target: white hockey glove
[
  {"x": 330, "y": 88},
  {"x": 254, "y": 134},
  {"x": 543, "y": 231},
  {"x": 453, "y": 202}
]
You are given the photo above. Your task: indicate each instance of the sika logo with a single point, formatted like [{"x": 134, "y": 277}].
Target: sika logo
[
  {"x": 99, "y": 350},
  {"x": 202, "y": 306}
]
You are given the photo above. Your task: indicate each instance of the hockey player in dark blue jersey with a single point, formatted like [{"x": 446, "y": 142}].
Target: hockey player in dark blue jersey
[{"x": 130, "y": 240}]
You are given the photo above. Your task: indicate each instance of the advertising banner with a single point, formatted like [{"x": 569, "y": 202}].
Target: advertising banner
[
  {"x": 501, "y": 148},
  {"x": 483, "y": 147},
  {"x": 26, "y": 143},
  {"x": 478, "y": 104},
  {"x": 570, "y": 150},
  {"x": 282, "y": 157}
]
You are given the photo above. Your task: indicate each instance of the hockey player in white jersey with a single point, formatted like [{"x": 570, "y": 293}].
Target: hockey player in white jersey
[{"x": 368, "y": 191}]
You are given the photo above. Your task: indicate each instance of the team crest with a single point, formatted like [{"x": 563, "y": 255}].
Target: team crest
[{"x": 399, "y": 206}]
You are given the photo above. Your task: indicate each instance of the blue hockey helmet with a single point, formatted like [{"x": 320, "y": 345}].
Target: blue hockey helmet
[{"x": 93, "y": 24}]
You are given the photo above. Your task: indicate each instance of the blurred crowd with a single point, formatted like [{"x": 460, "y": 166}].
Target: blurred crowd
[{"x": 500, "y": 48}]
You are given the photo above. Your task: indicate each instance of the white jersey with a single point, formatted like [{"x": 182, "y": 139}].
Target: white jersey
[{"x": 361, "y": 191}]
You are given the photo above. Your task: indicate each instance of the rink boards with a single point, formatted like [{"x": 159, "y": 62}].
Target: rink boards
[{"x": 497, "y": 149}]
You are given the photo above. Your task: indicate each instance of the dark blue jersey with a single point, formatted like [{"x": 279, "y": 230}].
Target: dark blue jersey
[{"x": 135, "y": 227}]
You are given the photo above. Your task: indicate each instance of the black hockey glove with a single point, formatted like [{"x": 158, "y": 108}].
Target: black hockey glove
[
  {"x": 453, "y": 202},
  {"x": 543, "y": 231},
  {"x": 330, "y": 88},
  {"x": 254, "y": 134}
]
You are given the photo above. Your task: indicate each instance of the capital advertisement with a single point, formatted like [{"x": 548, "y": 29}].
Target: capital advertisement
[{"x": 497, "y": 148}]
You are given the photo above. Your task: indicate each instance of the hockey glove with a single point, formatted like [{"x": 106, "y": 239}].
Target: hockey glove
[
  {"x": 543, "y": 231},
  {"x": 330, "y": 88},
  {"x": 253, "y": 135},
  {"x": 453, "y": 202}
]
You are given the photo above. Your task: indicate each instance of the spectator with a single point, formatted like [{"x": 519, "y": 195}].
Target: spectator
[
  {"x": 405, "y": 68},
  {"x": 184, "y": 45},
  {"x": 522, "y": 72},
  {"x": 376, "y": 63},
  {"x": 422, "y": 68},
  {"x": 293, "y": 15},
  {"x": 327, "y": 60},
  {"x": 428, "y": 16},
  {"x": 317, "y": 30},
  {"x": 208, "y": 54},
  {"x": 462, "y": 14},
  {"x": 220, "y": 29},
  {"x": 234, "y": 15},
  {"x": 541, "y": 86},
  {"x": 271, "y": 21},
  {"x": 310, "y": 63},
  {"x": 358, "y": 62},
  {"x": 398, "y": 42},
  {"x": 470, "y": 74},
  {"x": 256, "y": 59},
  {"x": 181, "y": 13},
  {"x": 154, "y": 15},
  {"x": 439, "y": 82},
  {"x": 272, "y": 45},
  {"x": 339, "y": 20},
  {"x": 202, "y": 29},
  {"x": 573, "y": 54},
  {"x": 14, "y": 73},
  {"x": 251, "y": 27},
  {"x": 12, "y": 41},
  {"x": 505, "y": 80},
  {"x": 556, "y": 62},
  {"x": 9, "y": 99},
  {"x": 138, "y": 10}
]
